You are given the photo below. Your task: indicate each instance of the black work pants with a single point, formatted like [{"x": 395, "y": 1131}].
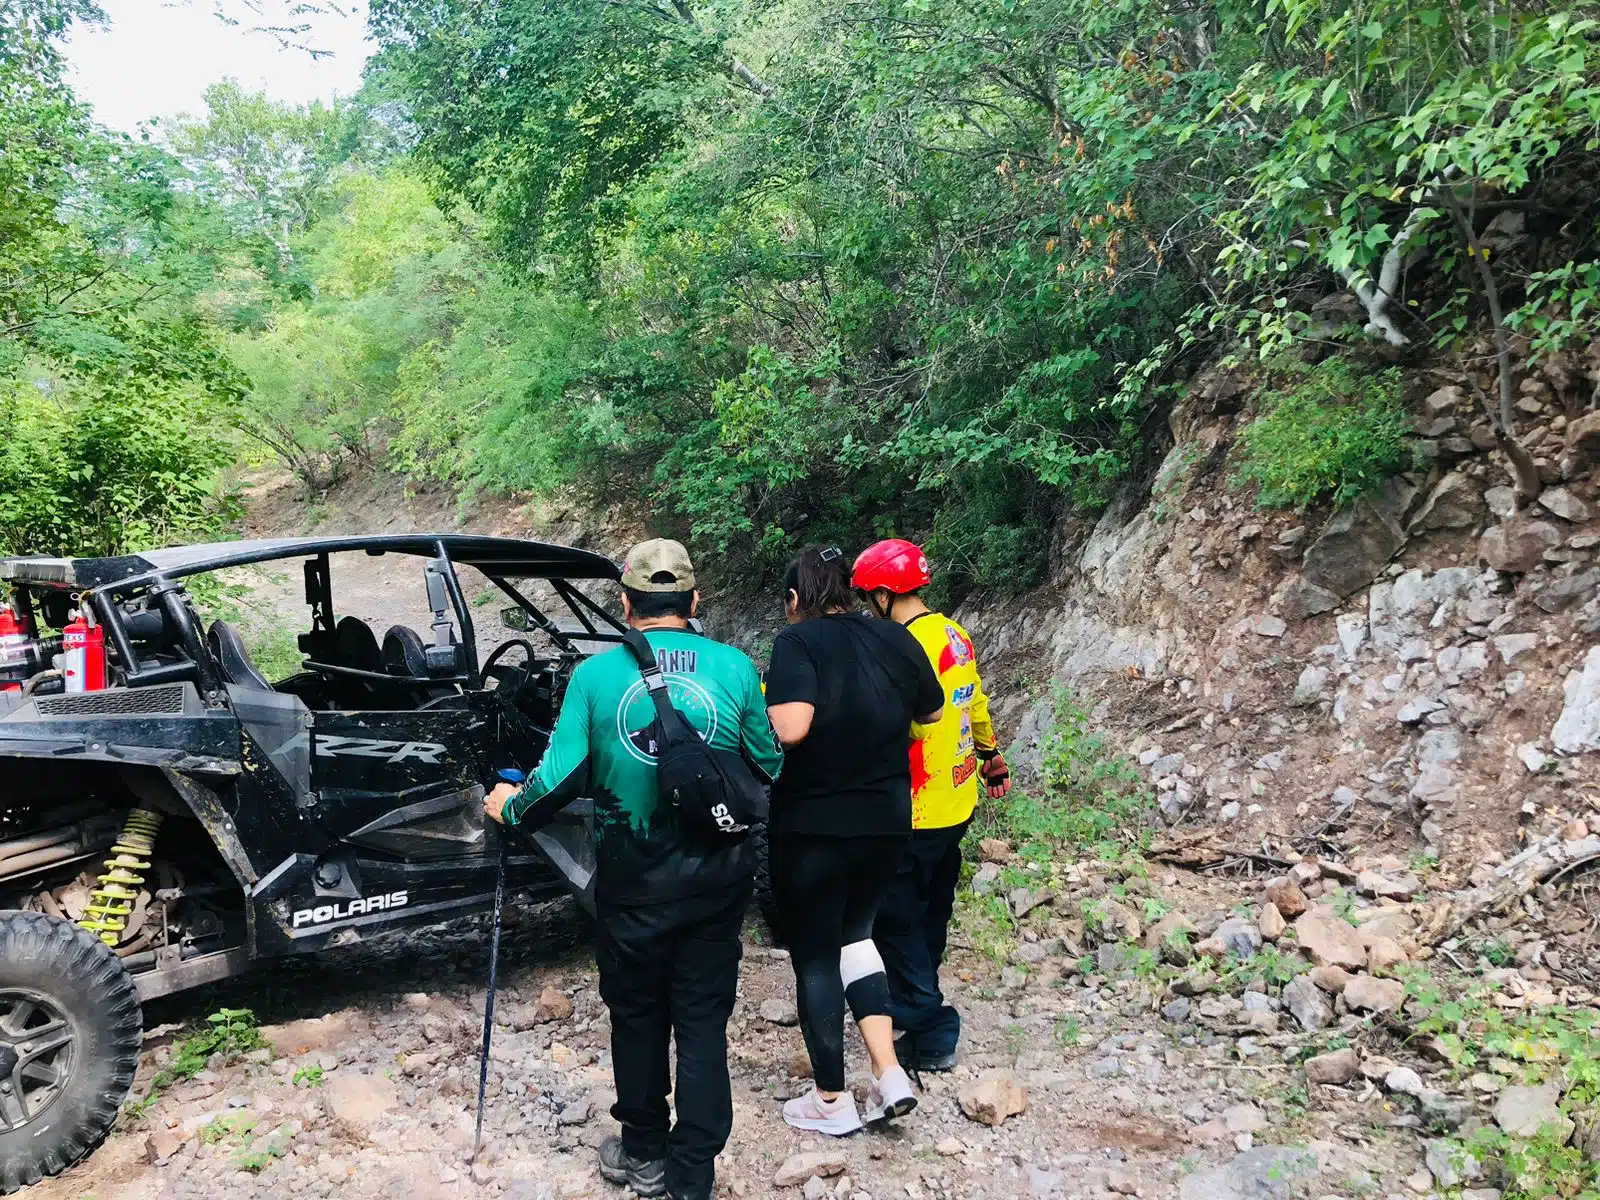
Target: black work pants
[
  {"x": 668, "y": 974},
  {"x": 826, "y": 890},
  {"x": 911, "y": 929}
]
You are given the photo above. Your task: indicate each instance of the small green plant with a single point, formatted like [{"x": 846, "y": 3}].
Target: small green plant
[
  {"x": 230, "y": 1032},
  {"x": 226, "y": 1127},
  {"x": 307, "y": 1077},
  {"x": 1016, "y": 1039},
  {"x": 1090, "y": 799},
  {"x": 1497, "y": 952},
  {"x": 1344, "y": 904},
  {"x": 1155, "y": 909},
  {"x": 1068, "y": 1031},
  {"x": 1334, "y": 433}
]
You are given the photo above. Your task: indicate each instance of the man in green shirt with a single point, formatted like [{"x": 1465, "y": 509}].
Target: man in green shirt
[{"x": 670, "y": 900}]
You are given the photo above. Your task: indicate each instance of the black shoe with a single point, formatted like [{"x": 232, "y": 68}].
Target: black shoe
[
  {"x": 647, "y": 1177},
  {"x": 913, "y": 1058}
]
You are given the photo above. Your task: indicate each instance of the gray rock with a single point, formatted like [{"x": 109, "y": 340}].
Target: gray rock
[
  {"x": 1261, "y": 1173},
  {"x": 1269, "y": 626},
  {"x": 1560, "y": 594},
  {"x": 1577, "y": 729},
  {"x": 1356, "y": 542},
  {"x": 1442, "y": 1112},
  {"x": 1509, "y": 645},
  {"x": 1230, "y": 811},
  {"x": 1404, "y": 1081},
  {"x": 1307, "y": 1003},
  {"x": 1522, "y": 1111},
  {"x": 1240, "y": 936},
  {"x": 985, "y": 878},
  {"x": 1502, "y": 502},
  {"x": 1176, "y": 1010},
  {"x": 1413, "y": 711},
  {"x": 1309, "y": 687},
  {"x": 1451, "y": 1164},
  {"x": 1438, "y": 746},
  {"x": 780, "y": 1011},
  {"x": 1564, "y": 504},
  {"x": 1299, "y": 598},
  {"x": 1518, "y": 545},
  {"x": 1454, "y": 503}
]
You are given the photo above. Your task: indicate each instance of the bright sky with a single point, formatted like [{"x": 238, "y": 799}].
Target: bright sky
[{"x": 159, "y": 56}]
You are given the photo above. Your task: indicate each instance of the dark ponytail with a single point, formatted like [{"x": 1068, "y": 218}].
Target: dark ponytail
[{"x": 820, "y": 577}]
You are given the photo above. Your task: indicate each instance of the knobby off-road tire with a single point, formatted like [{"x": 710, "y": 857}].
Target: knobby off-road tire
[
  {"x": 70, "y": 1034},
  {"x": 766, "y": 905}
]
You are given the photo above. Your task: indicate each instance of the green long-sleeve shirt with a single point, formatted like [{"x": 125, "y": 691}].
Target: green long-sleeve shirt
[{"x": 601, "y": 746}]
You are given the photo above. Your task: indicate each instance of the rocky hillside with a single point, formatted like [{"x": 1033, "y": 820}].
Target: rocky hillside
[{"x": 1418, "y": 672}]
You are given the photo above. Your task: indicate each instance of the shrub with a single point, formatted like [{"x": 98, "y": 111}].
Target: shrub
[
  {"x": 1089, "y": 798},
  {"x": 1332, "y": 435}
]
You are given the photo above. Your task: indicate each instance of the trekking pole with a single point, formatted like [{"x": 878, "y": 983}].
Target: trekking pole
[{"x": 510, "y": 775}]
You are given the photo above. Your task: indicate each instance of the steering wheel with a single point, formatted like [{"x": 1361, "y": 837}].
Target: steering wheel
[{"x": 494, "y": 669}]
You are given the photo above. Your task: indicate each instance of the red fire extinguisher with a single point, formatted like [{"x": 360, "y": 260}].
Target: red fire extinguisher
[{"x": 83, "y": 656}]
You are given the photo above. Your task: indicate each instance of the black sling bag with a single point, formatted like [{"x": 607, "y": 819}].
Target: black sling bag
[{"x": 714, "y": 791}]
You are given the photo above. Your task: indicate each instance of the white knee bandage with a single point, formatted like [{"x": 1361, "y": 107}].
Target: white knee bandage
[{"x": 858, "y": 960}]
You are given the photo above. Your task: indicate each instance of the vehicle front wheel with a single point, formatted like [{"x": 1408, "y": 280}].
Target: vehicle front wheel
[{"x": 70, "y": 1034}]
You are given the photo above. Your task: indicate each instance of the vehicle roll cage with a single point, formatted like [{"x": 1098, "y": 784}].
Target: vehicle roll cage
[{"x": 162, "y": 587}]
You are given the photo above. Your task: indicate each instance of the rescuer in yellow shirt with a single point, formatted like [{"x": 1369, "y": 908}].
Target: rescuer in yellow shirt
[{"x": 948, "y": 761}]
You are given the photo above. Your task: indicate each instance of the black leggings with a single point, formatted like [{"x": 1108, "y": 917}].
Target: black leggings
[{"x": 827, "y": 891}]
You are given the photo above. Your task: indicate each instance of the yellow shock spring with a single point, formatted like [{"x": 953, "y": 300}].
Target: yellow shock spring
[{"x": 106, "y": 914}]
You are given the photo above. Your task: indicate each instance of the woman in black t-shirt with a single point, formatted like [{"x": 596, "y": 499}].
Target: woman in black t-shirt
[{"x": 842, "y": 692}]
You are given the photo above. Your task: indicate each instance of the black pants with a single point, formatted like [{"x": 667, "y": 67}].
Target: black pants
[
  {"x": 826, "y": 890},
  {"x": 911, "y": 929},
  {"x": 668, "y": 973}
]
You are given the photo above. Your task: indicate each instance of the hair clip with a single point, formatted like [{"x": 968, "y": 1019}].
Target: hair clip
[{"x": 831, "y": 553}]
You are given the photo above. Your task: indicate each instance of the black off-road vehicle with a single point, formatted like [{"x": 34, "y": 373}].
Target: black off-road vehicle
[{"x": 168, "y": 829}]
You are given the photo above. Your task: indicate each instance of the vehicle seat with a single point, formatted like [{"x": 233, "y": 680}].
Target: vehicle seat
[
  {"x": 405, "y": 657},
  {"x": 228, "y": 649},
  {"x": 356, "y": 646}
]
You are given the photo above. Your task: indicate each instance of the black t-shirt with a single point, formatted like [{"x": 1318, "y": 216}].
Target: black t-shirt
[{"x": 868, "y": 679}]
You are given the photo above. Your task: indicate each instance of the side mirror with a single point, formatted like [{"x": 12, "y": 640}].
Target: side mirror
[{"x": 515, "y": 618}]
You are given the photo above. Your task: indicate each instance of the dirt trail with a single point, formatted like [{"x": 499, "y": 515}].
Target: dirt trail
[{"x": 1120, "y": 1100}]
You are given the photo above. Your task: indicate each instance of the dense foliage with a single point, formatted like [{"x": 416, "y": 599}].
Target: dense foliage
[{"x": 808, "y": 269}]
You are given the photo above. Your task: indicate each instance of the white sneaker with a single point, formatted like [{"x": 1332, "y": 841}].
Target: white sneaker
[
  {"x": 836, "y": 1117},
  {"x": 890, "y": 1096}
]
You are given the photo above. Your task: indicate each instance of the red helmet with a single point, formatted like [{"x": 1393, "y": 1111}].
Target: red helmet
[{"x": 896, "y": 564}]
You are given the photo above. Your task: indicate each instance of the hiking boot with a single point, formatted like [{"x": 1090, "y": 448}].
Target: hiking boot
[
  {"x": 647, "y": 1177},
  {"x": 836, "y": 1117},
  {"x": 914, "y": 1058},
  {"x": 890, "y": 1096}
]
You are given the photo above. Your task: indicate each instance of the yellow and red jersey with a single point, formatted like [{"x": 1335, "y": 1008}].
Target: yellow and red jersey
[{"x": 944, "y": 760}]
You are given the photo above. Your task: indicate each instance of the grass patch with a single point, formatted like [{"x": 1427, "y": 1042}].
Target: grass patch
[{"x": 230, "y": 1032}]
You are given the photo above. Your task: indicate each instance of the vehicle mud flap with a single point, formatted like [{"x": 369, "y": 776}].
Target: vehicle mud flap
[{"x": 568, "y": 844}]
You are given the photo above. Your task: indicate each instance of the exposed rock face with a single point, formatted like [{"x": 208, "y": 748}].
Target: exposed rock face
[
  {"x": 1356, "y": 542},
  {"x": 1577, "y": 729},
  {"x": 1454, "y": 503}
]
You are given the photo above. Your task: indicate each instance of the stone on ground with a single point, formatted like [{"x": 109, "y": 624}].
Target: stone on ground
[
  {"x": 780, "y": 1011},
  {"x": 1286, "y": 894},
  {"x": 1304, "y": 999},
  {"x": 994, "y": 1096},
  {"x": 1335, "y": 1067},
  {"x": 798, "y": 1168},
  {"x": 1364, "y": 993},
  {"x": 1523, "y": 1111},
  {"x": 1261, "y": 1173},
  {"x": 552, "y": 1005},
  {"x": 1330, "y": 940}
]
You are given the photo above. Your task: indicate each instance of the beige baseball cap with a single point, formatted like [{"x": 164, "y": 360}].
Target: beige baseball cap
[{"x": 654, "y": 560}]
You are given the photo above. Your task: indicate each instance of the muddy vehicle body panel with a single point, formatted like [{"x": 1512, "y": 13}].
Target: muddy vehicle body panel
[{"x": 340, "y": 802}]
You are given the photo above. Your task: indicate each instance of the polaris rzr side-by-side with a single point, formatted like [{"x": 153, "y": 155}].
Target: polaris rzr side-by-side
[{"x": 168, "y": 815}]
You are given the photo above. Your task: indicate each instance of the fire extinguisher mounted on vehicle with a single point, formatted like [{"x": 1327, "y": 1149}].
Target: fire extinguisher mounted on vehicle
[{"x": 83, "y": 654}]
